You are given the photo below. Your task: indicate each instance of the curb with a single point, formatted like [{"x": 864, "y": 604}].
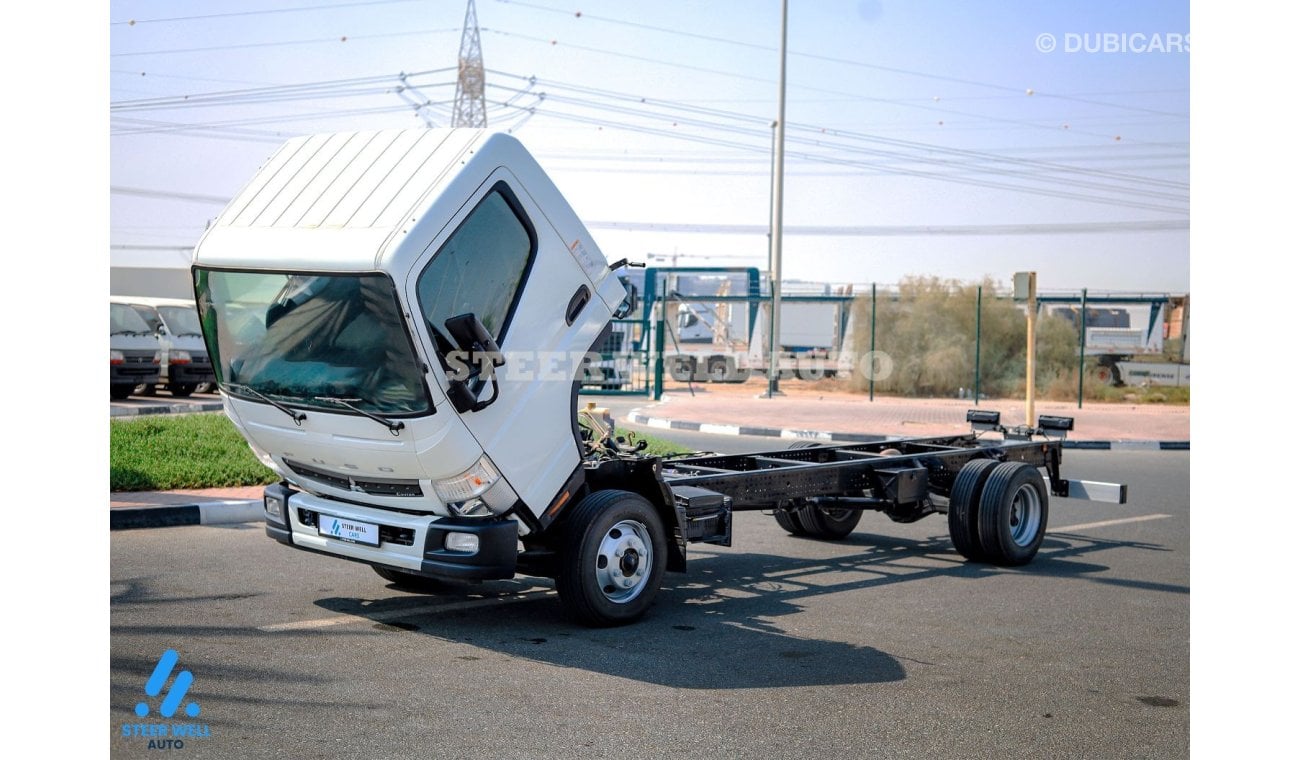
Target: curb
[
  {"x": 137, "y": 411},
  {"x": 817, "y": 435},
  {"x": 203, "y": 513}
]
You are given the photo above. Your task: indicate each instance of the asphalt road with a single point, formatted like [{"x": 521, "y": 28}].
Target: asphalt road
[{"x": 884, "y": 645}]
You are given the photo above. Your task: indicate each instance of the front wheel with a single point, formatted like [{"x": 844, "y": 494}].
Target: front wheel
[
  {"x": 119, "y": 391},
  {"x": 613, "y": 558}
]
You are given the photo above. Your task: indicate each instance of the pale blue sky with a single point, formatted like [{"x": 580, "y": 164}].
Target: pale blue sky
[{"x": 925, "y": 107}]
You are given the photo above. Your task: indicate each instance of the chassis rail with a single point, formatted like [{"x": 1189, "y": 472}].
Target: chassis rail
[{"x": 878, "y": 475}]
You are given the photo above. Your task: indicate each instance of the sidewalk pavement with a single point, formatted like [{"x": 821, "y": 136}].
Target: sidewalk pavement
[
  {"x": 804, "y": 411},
  {"x": 819, "y": 412}
]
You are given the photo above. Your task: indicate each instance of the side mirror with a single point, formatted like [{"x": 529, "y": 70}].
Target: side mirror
[
  {"x": 469, "y": 335},
  {"x": 472, "y": 337},
  {"x": 629, "y": 303}
]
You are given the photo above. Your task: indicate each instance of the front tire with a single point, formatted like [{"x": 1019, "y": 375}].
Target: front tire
[
  {"x": 612, "y": 561},
  {"x": 1013, "y": 514},
  {"x": 119, "y": 391}
]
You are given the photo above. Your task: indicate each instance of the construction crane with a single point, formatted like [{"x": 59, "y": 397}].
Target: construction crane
[{"x": 470, "y": 109}]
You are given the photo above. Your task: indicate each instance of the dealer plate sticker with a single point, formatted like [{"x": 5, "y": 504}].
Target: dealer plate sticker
[{"x": 349, "y": 530}]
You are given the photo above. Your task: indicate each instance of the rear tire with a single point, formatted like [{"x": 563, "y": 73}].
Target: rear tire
[
  {"x": 181, "y": 390},
  {"x": 963, "y": 508},
  {"x": 1013, "y": 514},
  {"x": 828, "y": 522},
  {"x": 613, "y": 553},
  {"x": 788, "y": 519},
  {"x": 409, "y": 581},
  {"x": 720, "y": 369},
  {"x": 789, "y": 522}
]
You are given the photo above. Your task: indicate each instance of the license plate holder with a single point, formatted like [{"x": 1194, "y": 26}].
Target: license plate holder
[{"x": 345, "y": 529}]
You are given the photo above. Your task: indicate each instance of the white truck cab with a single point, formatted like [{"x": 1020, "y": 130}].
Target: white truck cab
[{"x": 339, "y": 294}]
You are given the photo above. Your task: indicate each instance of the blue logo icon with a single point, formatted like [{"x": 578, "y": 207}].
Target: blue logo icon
[{"x": 154, "y": 686}]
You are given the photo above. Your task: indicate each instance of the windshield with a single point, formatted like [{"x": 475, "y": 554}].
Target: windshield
[
  {"x": 306, "y": 339},
  {"x": 124, "y": 320},
  {"x": 180, "y": 320}
]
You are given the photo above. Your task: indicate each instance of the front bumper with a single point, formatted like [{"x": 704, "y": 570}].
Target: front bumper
[
  {"x": 415, "y": 543},
  {"x": 190, "y": 373}
]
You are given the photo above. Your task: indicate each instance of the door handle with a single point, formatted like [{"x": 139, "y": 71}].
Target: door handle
[{"x": 576, "y": 304}]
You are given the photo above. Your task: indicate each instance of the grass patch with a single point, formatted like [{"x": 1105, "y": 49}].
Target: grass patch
[
  {"x": 659, "y": 447},
  {"x": 159, "y": 453}
]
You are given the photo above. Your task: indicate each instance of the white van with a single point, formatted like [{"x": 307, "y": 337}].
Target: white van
[
  {"x": 175, "y": 322},
  {"x": 134, "y": 357}
]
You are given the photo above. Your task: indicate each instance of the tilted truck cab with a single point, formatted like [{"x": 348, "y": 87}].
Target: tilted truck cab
[
  {"x": 325, "y": 288},
  {"x": 399, "y": 322}
]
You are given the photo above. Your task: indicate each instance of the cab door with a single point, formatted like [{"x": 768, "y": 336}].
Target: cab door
[{"x": 504, "y": 262}]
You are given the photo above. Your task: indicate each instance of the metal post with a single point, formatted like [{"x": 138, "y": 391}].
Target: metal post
[
  {"x": 871, "y": 366},
  {"x": 979, "y": 312},
  {"x": 778, "y": 182},
  {"x": 1030, "y": 351},
  {"x": 1083, "y": 335},
  {"x": 659, "y": 352}
]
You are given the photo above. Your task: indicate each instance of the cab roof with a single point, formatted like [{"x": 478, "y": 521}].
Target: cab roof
[{"x": 346, "y": 201}]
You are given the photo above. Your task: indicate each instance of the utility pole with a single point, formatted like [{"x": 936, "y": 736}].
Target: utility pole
[
  {"x": 778, "y": 186},
  {"x": 470, "y": 109},
  {"x": 1026, "y": 290}
]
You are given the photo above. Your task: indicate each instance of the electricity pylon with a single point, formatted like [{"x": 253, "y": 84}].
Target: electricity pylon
[{"x": 470, "y": 109}]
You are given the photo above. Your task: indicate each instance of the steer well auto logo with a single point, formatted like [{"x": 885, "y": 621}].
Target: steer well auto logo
[{"x": 171, "y": 735}]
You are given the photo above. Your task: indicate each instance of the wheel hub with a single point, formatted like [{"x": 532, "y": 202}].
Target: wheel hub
[
  {"x": 623, "y": 560},
  {"x": 1025, "y": 515}
]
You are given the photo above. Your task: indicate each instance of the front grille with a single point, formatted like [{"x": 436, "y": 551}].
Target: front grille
[
  {"x": 137, "y": 357},
  {"x": 372, "y": 486},
  {"x": 388, "y": 534}
]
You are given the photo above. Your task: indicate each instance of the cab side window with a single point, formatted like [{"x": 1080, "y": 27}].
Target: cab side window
[{"x": 480, "y": 268}]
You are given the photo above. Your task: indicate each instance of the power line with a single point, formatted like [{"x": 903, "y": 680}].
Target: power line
[
  {"x": 1020, "y": 91},
  {"x": 1066, "y": 228},
  {"x": 134, "y": 21},
  {"x": 283, "y": 43}
]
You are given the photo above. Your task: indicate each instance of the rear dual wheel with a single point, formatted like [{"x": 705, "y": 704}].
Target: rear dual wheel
[{"x": 998, "y": 512}]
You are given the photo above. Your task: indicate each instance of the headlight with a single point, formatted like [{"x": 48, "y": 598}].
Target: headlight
[
  {"x": 469, "y": 484},
  {"x": 116, "y": 357},
  {"x": 179, "y": 357}
]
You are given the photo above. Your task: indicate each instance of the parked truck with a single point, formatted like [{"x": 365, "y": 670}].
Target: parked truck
[
  {"x": 716, "y": 321},
  {"x": 399, "y": 323}
]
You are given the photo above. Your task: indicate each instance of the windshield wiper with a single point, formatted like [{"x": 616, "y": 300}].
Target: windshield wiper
[
  {"x": 393, "y": 427},
  {"x": 297, "y": 416}
]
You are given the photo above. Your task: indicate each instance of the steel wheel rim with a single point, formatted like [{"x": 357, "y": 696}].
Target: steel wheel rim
[
  {"x": 1025, "y": 515},
  {"x": 623, "y": 561}
]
